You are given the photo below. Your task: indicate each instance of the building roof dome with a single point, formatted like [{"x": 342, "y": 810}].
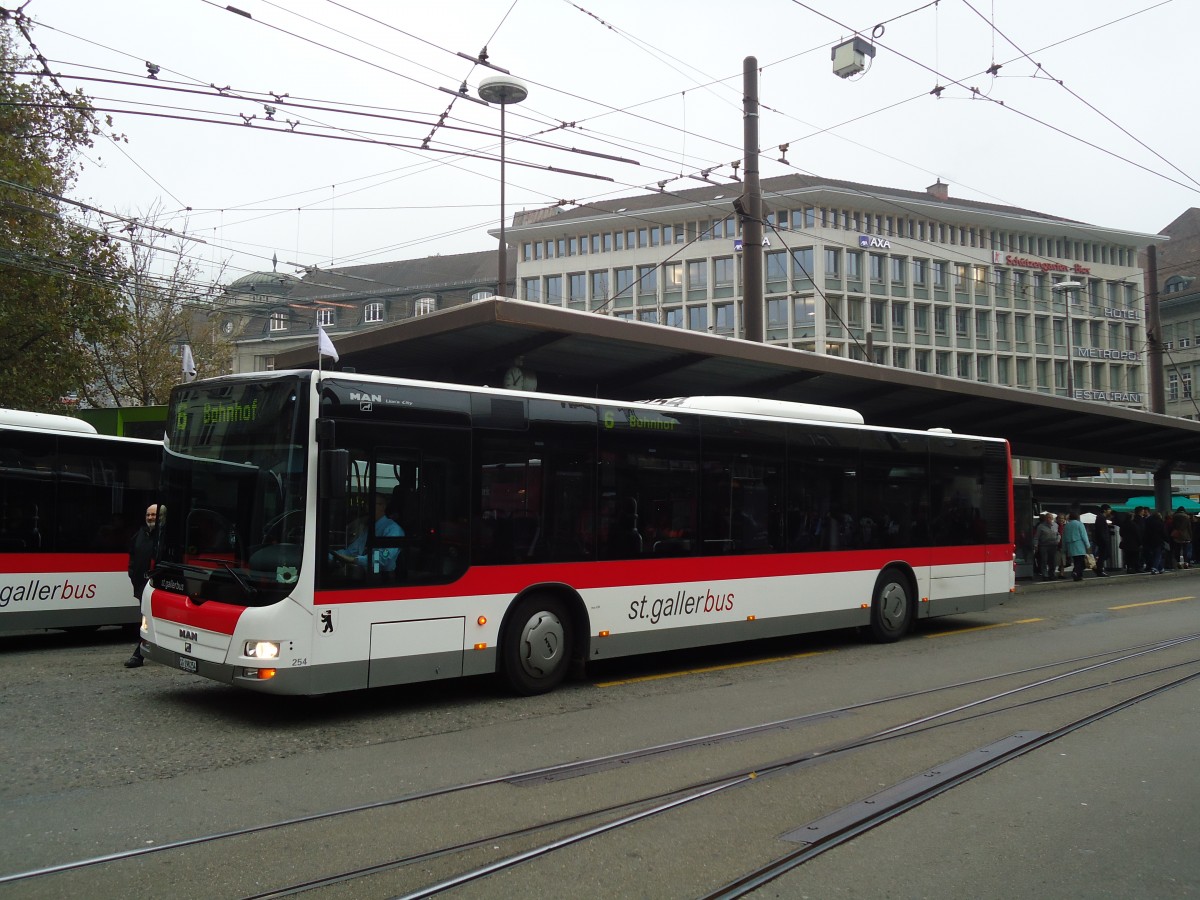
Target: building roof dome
[{"x": 263, "y": 283}]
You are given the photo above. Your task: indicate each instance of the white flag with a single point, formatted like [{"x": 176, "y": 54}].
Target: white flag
[
  {"x": 324, "y": 344},
  {"x": 189, "y": 364}
]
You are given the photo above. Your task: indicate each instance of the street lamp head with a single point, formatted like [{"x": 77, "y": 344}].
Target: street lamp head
[
  {"x": 1068, "y": 285},
  {"x": 502, "y": 89}
]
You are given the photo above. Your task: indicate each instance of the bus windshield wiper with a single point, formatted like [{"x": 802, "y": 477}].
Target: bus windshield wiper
[{"x": 251, "y": 590}]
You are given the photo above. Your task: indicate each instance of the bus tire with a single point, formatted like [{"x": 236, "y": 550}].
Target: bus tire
[
  {"x": 891, "y": 606},
  {"x": 537, "y": 644}
]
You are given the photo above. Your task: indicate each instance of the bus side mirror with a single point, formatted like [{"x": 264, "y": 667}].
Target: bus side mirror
[{"x": 335, "y": 473}]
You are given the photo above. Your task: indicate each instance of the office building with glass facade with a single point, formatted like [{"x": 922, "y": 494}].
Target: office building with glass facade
[{"x": 912, "y": 279}]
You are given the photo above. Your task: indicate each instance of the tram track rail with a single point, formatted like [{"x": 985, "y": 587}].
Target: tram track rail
[{"x": 625, "y": 814}]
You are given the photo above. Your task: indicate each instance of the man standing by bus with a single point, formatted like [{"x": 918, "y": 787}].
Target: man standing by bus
[
  {"x": 1046, "y": 540},
  {"x": 141, "y": 557}
]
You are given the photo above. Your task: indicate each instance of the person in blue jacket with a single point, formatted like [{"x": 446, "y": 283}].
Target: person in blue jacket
[{"x": 1075, "y": 544}]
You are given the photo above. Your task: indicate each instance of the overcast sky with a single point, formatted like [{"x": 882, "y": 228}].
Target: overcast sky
[{"x": 1090, "y": 115}]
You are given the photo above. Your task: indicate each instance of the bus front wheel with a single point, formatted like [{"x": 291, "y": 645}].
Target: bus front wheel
[
  {"x": 891, "y": 606},
  {"x": 537, "y": 645}
]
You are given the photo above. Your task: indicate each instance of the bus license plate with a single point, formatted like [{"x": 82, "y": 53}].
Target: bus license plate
[{"x": 188, "y": 665}]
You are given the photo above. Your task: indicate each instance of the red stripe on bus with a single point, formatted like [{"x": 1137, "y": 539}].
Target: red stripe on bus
[
  {"x": 219, "y": 617},
  {"x": 592, "y": 575},
  {"x": 46, "y": 563}
]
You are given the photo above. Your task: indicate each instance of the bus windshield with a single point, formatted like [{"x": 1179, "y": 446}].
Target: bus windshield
[{"x": 234, "y": 476}]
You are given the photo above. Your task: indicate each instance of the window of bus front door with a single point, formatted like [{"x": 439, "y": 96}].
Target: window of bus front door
[{"x": 404, "y": 519}]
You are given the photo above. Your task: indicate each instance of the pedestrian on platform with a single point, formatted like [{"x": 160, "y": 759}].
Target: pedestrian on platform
[
  {"x": 1153, "y": 538},
  {"x": 1131, "y": 540},
  {"x": 1045, "y": 543},
  {"x": 1075, "y": 545},
  {"x": 1102, "y": 535},
  {"x": 1181, "y": 538}
]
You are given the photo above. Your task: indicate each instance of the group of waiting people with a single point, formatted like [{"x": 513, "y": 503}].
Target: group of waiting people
[{"x": 1148, "y": 541}]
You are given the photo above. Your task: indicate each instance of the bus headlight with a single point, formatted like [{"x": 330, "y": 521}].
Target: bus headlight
[{"x": 262, "y": 649}]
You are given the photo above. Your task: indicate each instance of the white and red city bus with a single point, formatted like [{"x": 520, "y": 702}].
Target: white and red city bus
[
  {"x": 70, "y": 500},
  {"x": 331, "y": 531}
]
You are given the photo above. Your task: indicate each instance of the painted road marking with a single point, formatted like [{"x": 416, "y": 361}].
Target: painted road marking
[
  {"x": 737, "y": 665},
  {"x": 982, "y": 628},
  {"x": 1152, "y": 603}
]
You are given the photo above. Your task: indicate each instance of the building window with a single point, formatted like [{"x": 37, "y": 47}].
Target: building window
[
  {"x": 424, "y": 306},
  {"x": 833, "y": 263},
  {"x": 697, "y": 273},
  {"x": 531, "y": 289},
  {"x": 279, "y": 321},
  {"x": 775, "y": 269},
  {"x": 481, "y": 295},
  {"x": 962, "y": 322},
  {"x": 877, "y": 313},
  {"x": 554, "y": 290},
  {"x": 803, "y": 311},
  {"x": 921, "y": 319},
  {"x": 673, "y": 317},
  {"x": 854, "y": 265},
  {"x": 723, "y": 318},
  {"x": 624, "y": 281},
  {"x": 648, "y": 281},
  {"x": 802, "y": 264},
  {"x": 373, "y": 312},
  {"x": 649, "y": 315},
  {"x": 599, "y": 287},
  {"x": 964, "y": 365},
  {"x": 898, "y": 270},
  {"x": 777, "y": 313},
  {"x": 941, "y": 317},
  {"x": 723, "y": 271},
  {"x": 943, "y": 362},
  {"x": 577, "y": 288},
  {"x": 326, "y": 316},
  {"x": 919, "y": 272},
  {"x": 922, "y": 361},
  {"x": 982, "y": 322},
  {"x": 672, "y": 277},
  {"x": 876, "y": 268},
  {"x": 939, "y": 276},
  {"x": 899, "y": 316},
  {"x": 697, "y": 318}
]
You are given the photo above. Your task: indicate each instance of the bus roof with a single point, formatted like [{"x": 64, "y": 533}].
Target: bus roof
[
  {"x": 44, "y": 421},
  {"x": 758, "y": 406}
]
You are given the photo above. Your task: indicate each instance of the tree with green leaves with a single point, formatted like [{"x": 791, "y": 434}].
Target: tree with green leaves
[{"x": 60, "y": 282}]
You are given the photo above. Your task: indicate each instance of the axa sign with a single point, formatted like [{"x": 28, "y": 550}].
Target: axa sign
[{"x": 865, "y": 240}]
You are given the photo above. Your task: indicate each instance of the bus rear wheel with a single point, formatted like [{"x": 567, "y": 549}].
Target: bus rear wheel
[
  {"x": 891, "y": 606},
  {"x": 537, "y": 645}
]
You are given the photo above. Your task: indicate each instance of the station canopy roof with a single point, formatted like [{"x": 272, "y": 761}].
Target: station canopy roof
[{"x": 584, "y": 354}]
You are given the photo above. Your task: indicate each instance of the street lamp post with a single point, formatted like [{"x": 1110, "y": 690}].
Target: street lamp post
[
  {"x": 1067, "y": 289},
  {"x": 503, "y": 90}
]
